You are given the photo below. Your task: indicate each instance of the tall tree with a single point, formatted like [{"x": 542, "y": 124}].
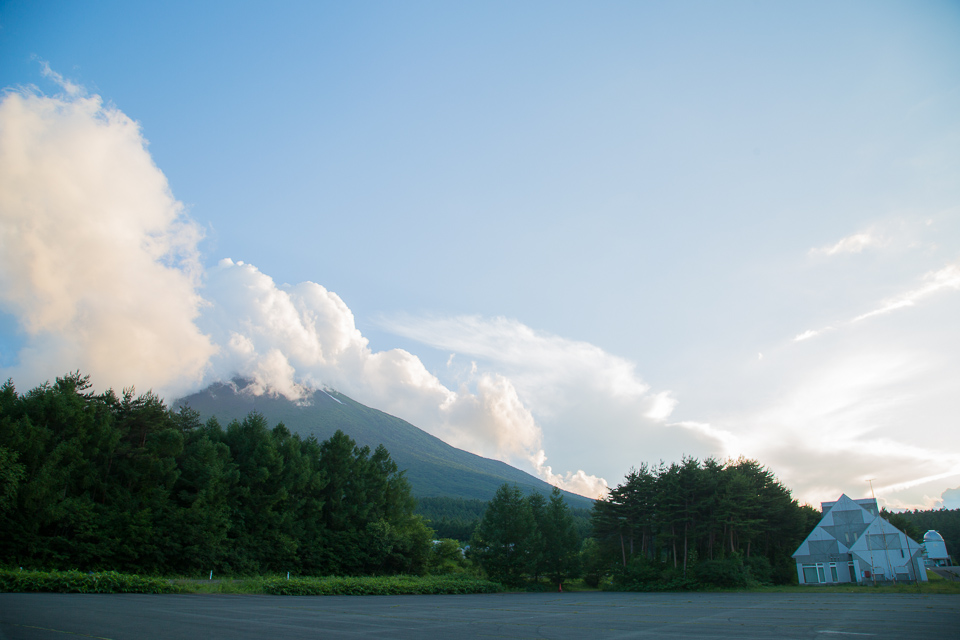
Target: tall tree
[
  {"x": 560, "y": 541},
  {"x": 506, "y": 541}
]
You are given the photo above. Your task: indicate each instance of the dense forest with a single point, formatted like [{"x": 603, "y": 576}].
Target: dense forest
[
  {"x": 522, "y": 538},
  {"x": 457, "y": 518},
  {"x": 97, "y": 481},
  {"x": 702, "y": 522},
  {"x": 916, "y": 523}
]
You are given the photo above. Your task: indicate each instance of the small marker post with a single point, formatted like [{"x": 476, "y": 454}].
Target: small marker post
[{"x": 211, "y": 574}]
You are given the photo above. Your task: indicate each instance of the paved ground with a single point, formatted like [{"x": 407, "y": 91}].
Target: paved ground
[{"x": 534, "y": 615}]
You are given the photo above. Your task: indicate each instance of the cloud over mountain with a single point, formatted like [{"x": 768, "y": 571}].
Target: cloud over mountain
[{"x": 101, "y": 268}]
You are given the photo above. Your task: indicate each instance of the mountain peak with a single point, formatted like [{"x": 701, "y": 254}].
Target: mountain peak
[{"x": 433, "y": 467}]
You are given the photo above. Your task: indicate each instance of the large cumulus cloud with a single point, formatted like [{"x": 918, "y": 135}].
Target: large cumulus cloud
[{"x": 97, "y": 261}]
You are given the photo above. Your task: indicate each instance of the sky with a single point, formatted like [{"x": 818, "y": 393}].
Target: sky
[{"x": 574, "y": 237}]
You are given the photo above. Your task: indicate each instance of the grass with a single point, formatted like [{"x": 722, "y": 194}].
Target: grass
[
  {"x": 930, "y": 587},
  {"x": 113, "y": 582}
]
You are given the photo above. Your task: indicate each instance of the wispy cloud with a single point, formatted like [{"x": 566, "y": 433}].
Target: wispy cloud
[
  {"x": 944, "y": 279},
  {"x": 934, "y": 282},
  {"x": 806, "y": 335},
  {"x": 849, "y": 417},
  {"x": 72, "y": 89},
  {"x": 851, "y": 244},
  {"x": 544, "y": 365}
]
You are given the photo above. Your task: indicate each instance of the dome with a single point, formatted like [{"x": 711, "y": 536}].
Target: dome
[{"x": 932, "y": 536}]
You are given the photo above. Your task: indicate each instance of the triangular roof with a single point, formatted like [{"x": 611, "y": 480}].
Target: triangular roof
[{"x": 843, "y": 522}]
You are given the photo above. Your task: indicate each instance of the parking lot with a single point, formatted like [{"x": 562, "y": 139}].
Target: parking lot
[{"x": 526, "y": 615}]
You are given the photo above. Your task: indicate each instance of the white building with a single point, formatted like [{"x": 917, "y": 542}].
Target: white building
[
  {"x": 935, "y": 550},
  {"x": 852, "y": 543}
]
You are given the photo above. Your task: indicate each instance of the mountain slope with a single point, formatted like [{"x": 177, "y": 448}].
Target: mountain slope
[{"x": 434, "y": 468}]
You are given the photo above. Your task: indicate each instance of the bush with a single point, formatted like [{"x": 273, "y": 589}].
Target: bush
[
  {"x": 640, "y": 574},
  {"x": 728, "y": 573},
  {"x": 78, "y": 582},
  {"x": 759, "y": 569}
]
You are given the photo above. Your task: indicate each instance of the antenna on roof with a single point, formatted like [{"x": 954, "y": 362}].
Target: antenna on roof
[{"x": 873, "y": 569}]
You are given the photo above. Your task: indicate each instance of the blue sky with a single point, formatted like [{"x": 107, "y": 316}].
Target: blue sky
[{"x": 573, "y": 236}]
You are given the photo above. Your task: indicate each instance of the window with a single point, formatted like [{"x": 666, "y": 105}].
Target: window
[
  {"x": 820, "y": 572},
  {"x": 853, "y": 572},
  {"x": 810, "y": 574},
  {"x": 833, "y": 572}
]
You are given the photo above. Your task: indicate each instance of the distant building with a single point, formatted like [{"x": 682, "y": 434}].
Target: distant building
[
  {"x": 935, "y": 550},
  {"x": 852, "y": 543}
]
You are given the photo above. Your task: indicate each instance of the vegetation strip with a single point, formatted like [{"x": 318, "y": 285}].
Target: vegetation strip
[
  {"x": 79, "y": 582},
  {"x": 112, "y": 582}
]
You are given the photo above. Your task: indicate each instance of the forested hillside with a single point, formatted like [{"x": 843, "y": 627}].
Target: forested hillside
[
  {"x": 457, "y": 518},
  {"x": 97, "y": 481},
  {"x": 433, "y": 467}
]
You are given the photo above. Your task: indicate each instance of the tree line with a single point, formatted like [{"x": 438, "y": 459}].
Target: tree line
[
  {"x": 916, "y": 523},
  {"x": 701, "y": 522},
  {"x": 683, "y": 525},
  {"x": 100, "y": 481},
  {"x": 457, "y": 518}
]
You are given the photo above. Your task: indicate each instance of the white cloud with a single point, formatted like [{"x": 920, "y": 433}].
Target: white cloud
[
  {"x": 806, "y": 335},
  {"x": 943, "y": 279},
  {"x": 289, "y": 339},
  {"x": 851, "y": 244},
  {"x": 580, "y": 482},
  {"x": 97, "y": 261},
  {"x": 949, "y": 499},
  {"x": 71, "y": 89},
  {"x": 936, "y": 281},
  {"x": 849, "y": 414},
  {"x": 550, "y": 370},
  {"x": 586, "y": 395}
]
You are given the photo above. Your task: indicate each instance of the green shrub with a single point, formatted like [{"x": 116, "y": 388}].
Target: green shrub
[
  {"x": 759, "y": 569},
  {"x": 79, "y": 582},
  {"x": 377, "y": 586},
  {"x": 728, "y": 573}
]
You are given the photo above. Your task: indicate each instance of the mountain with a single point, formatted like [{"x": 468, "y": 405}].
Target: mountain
[{"x": 433, "y": 467}]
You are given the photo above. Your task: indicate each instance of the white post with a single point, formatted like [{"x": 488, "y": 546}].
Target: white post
[{"x": 211, "y": 574}]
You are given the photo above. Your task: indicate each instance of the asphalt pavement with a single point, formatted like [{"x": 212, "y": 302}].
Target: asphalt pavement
[{"x": 48, "y": 616}]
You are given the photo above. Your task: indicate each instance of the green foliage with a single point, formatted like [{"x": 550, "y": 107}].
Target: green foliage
[
  {"x": 447, "y": 557},
  {"x": 591, "y": 562},
  {"x": 944, "y": 521},
  {"x": 506, "y": 543},
  {"x": 726, "y": 573},
  {"x": 106, "y": 482},
  {"x": 454, "y": 518},
  {"x": 699, "y": 524},
  {"x": 78, "y": 582},
  {"x": 559, "y": 557},
  {"x": 377, "y": 586}
]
